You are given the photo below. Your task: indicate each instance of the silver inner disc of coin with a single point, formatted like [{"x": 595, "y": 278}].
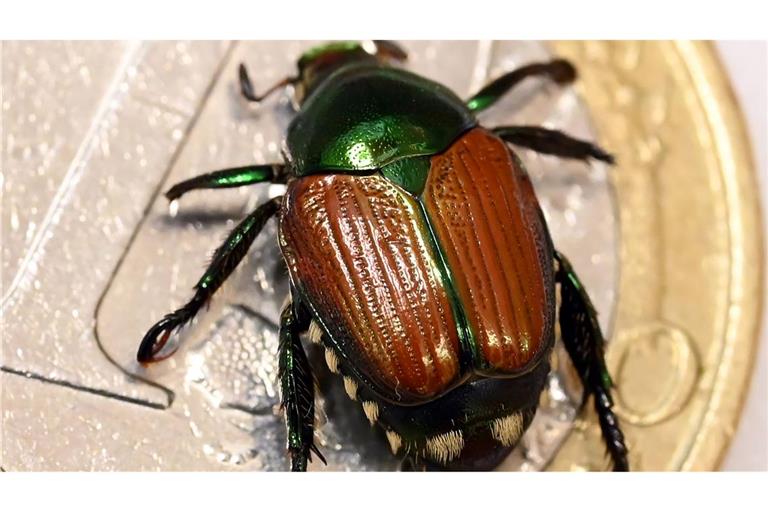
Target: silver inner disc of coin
[{"x": 93, "y": 255}]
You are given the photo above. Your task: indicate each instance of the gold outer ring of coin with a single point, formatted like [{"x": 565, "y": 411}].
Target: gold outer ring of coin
[{"x": 690, "y": 291}]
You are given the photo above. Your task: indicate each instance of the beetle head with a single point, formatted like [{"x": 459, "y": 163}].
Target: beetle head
[{"x": 319, "y": 62}]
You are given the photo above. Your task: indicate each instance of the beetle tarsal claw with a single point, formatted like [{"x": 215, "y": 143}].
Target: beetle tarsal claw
[
  {"x": 155, "y": 339},
  {"x": 350, "y": 386},
  {"x": 507, "y": 430},
  {"x": 395, "y": 441},
  {"x": 445, "y": 447},
  {"x": 371, "y": 410}
]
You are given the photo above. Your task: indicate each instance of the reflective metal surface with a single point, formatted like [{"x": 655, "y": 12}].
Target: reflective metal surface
[{"x": 92, "y": 256}]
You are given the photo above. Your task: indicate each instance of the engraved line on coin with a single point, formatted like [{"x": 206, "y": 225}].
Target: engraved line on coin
[
  {"x": 28, "y": 266},
  {"x": 145, "y": 215},
  {"x": 248, "y": 310},
  {"x": 85, "y": 389},
  {"x": 654, "y": 340},
  {"x": 721, "y": 138}
]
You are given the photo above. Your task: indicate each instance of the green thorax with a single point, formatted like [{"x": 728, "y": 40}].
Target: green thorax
[{"x": 365, "y": 116}]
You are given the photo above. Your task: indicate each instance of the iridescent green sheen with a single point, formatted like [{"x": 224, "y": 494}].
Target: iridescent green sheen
[
  {"x": 467, "y": 339},
  {"x": 248, "y": 175},
  {"x": 364, "y": 117},
  {"x": 225, "y": 178},
  {"x": 477, "y": 104},
  {"x": 408, "y": 173}
]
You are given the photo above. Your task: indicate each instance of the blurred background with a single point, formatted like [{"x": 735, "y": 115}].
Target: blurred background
[{"x": 747, "y": 65}]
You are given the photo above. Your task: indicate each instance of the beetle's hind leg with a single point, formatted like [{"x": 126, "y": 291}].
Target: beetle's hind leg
[
  {"x": 229, "y": 178},
  {"x": 552, "y": 142},
  {"x": 584, "y": 342},
  {"x": 297, "y": 387},
  {"x": 559, "y": 71},
  {"x": 224, "y": 261}
]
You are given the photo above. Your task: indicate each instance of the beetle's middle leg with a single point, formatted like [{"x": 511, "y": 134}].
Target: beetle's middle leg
[
  {"x": 552, "y": 142},
  {"x": 224, "y": 261},
  {"x": 585, "y": 344},
  {"x": 297, "y": 387}
]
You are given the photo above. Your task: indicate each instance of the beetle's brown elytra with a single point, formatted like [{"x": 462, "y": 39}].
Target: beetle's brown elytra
[
  {"x": 364, "y": 260},
  {"x": 487, "y": 218},
  {"x": 360, "y": 247},
  {"x": 418, "y": 256}
]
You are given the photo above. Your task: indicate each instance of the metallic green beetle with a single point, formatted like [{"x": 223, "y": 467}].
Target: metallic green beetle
[{"x": 418, "y": 257}]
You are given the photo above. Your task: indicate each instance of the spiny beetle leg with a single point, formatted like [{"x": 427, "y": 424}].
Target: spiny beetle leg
[
  {"x": 297, "y": 388},
  {"x": 224, "y": 261},
  {"x": 246, "y": 86},
  {"x": 559, "y": 71},
  {"x": 584, "y": 342},
  {"x": 229, "y": 178},
  {"x": 552, "y": 142}
]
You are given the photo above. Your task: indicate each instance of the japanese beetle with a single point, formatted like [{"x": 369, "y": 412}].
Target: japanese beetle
[{"x": 418, "y": 257}]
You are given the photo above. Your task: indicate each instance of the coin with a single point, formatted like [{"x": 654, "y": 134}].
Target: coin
[
  {"x": 93, "y": 256},
  {"x": 691, "y": 251}
]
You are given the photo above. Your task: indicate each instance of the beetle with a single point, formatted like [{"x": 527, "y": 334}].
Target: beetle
[{"x": 418, "y": 257}]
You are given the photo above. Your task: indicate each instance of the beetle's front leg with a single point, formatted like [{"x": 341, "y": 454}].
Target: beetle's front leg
[
  {"x": 559, "y": 71},
  {"x": 297, "y": 387},
  {"x": 229, "y": 178},
  {"x": 224, "y": 261},
  {"x": 246, "y": 86},
  {"x": 584, "y": 342}
]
